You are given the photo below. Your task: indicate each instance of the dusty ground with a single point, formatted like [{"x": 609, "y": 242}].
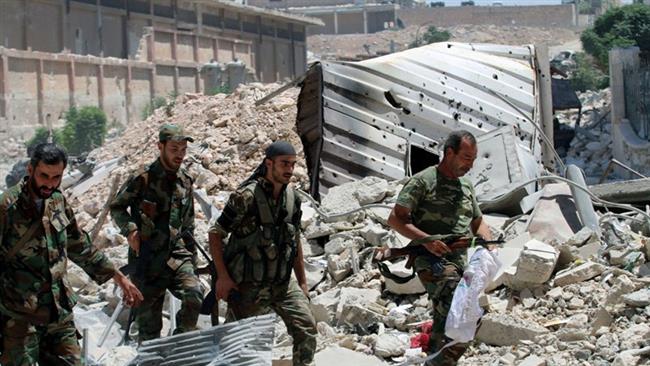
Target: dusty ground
[{"x": 351, "y": 45}]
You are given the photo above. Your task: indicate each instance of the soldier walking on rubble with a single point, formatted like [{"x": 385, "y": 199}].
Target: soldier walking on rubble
[
  {"x": 439, "y": 201},
  {"x": 160, "y": 209},
  {"x": 254, "y": 266},
  {"x": 38, "y": 233}
]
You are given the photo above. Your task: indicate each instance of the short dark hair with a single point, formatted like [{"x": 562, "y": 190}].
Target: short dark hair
[
  {"x": 456, "y": 137},
  {"x": 48, "y": 153}
]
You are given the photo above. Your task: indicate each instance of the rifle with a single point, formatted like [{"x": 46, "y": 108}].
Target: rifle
[
  {"x": 415, "y": 249},
  {"x": 210, "y": 300},
  {"x": 137, "y": 270}
]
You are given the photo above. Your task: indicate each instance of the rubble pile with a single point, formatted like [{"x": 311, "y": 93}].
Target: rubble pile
[
  {"x": 325, "y": 46},
  {"x": 11, "y": 151},
  {"x": 591, "y": 147}
]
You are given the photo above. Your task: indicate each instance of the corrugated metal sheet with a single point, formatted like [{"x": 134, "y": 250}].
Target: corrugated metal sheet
[
  {"x": 388, "y": 116},
  {"x": 248, "y": 342}
]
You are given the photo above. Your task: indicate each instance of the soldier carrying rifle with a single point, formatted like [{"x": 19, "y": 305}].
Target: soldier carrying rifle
[
  {"x": 160, "y": 208},
  {"x": 439, "y": 201}
]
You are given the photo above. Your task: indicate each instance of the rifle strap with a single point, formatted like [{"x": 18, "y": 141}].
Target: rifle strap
[
  {"x": 23, "y": 240},
  {"x": 383, "y": 269}
]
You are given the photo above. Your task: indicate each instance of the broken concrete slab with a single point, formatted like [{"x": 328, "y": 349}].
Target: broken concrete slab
[
  {"x": 554, "y": 217},
  {"x": 639, "y": 298},
  {"x": 533, "y": 361},
  {"x": 360, "y": 296},
  {"x": 507, "y": 330},
  {"x": 319, "y": 229},
  {"x": 335, "y": 355},
  {"x": 362, "y": 315},
  {"x": 535, "y": 266},
  {"x": 324, "y": 306},
  {"x": 414, "y": 286},
  {"x": 580, "y": 273},
  {"x": 374, "y": 234},
  {"x": 508, "y": 256},
  {"x": 622, "y": 285},
  {"x": 583, "y": 237}
]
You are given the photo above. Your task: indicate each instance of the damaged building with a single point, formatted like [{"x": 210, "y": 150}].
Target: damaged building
[{"x": 119, "y": 54}]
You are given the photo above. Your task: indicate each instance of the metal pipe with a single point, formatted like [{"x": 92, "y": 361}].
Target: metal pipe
[
  {"x": 116, "y": 313},
  {"x": 616, "y": 162},
  {"x": 582, "y": 200},
  {"x": 85, "y": 347}
]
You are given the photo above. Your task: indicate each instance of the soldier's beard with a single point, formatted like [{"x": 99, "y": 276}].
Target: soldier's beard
[{"x": 43, "y": 192}]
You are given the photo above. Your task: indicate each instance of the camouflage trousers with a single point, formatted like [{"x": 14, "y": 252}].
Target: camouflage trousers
[
  {"x": 290, "y": 303},
  {"x": 26, "y": 344},
  {"x": 440, "y": 283},
  {"x": 183, "y": 284}
]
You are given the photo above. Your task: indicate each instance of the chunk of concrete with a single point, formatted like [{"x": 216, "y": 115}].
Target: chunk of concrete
[
  {"x": 319, "y": 229},
  {"x": 578, "y": 274},
  {"x": 374, "y": 234},
  {"x": 308, "y": 215},
  {"x": 335, "y": 355},
  {"x": 639, "y": 298},
  {"x": 589, "y": 251},
  {"x": 583, "y": 237},
  {"x": 339, "y": 266},
  {"x": 555, "y": 215},
  {"x": 359, "y": 296},
  {"x": 507, "y": 330},
  {"x": 622, "y": 285},
  {"x": 324, "y": 306},
  {"x": 414, "y": 286},
  {"x": 535, "y": 266},
  {"x": 508, "y": 256},
  {"x": 601, "y": 318},
  {"x": 533, "y": 361},
  {"x": 366, "y": 315},
  {"x": 391, "y": 344},
  {"x": 374, "y": 191}
]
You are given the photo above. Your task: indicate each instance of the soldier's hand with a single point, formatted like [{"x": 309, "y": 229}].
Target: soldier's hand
[
  {"x": 437, "y": 248},
  {"x": 224, "y": 286},
  {"x": 134, "y": 241},
  {"x": 130, "y": 293}
]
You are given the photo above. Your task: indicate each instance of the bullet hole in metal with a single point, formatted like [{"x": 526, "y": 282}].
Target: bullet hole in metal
[
  {"x": 480, "y": 125},
  {"x": 457, "y": 116},
  {"x": 495, "y": 77},
  {"x": 406, "y": 110},
  {"x": 444, "y": 122},
  {"x": 486, "y": 155},
  {"x": 480, "y": 109}
]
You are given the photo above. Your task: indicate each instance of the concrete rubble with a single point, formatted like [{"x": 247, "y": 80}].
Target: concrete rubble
[{"x": 563, "y": 296}]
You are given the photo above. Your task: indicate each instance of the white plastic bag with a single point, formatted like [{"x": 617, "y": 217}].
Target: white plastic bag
[{"x": 465, "y": 310}]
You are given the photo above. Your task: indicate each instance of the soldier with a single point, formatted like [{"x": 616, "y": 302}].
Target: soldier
[
  {"x": 438, "y": 201},
  {"x": 161, "y": 210},
  {"x": 38, "y": 233},
  {"x": 254, "y": 266}
]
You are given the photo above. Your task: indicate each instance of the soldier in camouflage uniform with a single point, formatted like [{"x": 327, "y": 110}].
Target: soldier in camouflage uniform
[
  {"x": 254, "y": 266},
  {"x": 439, "y": 201},
  {"x": 161, "y": 209},
  {"x": 38, "y": 233}
]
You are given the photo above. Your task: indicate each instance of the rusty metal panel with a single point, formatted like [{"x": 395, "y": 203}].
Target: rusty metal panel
[{"x": 388, "y": 116}]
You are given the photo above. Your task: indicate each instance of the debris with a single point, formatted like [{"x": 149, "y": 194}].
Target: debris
[
  {"x": 507, "y": 330},
  {"x": 580, "y": 273}
]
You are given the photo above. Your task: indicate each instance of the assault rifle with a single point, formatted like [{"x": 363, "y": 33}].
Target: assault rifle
[
  {"x": 415, "y": 249},
  {"x": 209, "y": 302},
  {"x": 137, "y": 270}
]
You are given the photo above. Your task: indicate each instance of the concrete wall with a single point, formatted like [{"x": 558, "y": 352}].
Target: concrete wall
[
  {"x": 303, "y": 3},
  {"x": 542, "y": 16},
  {"x": 54, "y": 55}
]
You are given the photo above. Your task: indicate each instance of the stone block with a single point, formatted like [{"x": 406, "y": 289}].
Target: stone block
[
  {"x": 359, "y": 296},
  {"x": 578, "y": 274},
  {"x": 374, "y": 234},
  {"x": 324, "y": 306},
  {"x": 508, "y": 256},
  {"x": 335, "y": 355},
  {"x": 533, "y": 361},
  {"x": 391, "y": 344},
  {"x": 535, "y": 266},
  {"x": 507, "y": 330},
  {"x": 639, "y": 298},
  {"x": 364, "y": 316},
  {"x": 414, "y": 286},
  {"x": 622, "y": 286}
]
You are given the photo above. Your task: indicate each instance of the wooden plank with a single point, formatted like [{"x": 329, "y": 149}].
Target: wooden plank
[
  {"x": 39, "y": 91},
  {"x": 100, "y": 86},
  {"x": 71, "y": 87}
]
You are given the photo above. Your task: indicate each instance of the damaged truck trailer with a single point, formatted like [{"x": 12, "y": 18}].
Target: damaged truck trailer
[{"x": 388, "y": 116}]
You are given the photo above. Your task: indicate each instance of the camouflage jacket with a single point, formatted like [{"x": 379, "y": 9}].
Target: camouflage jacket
[
  {"x": 439, "y": 205},
  {"x": 33, "y": 283},
  {"x": 241, "y": 218},
  {"x": 172, "y": 196}
]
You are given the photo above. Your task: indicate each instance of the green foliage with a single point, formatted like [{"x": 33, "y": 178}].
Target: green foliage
[
  {"x": 586, "y": 76},
  {"x": 156, "y": 103},
  {"x": 41, "y": 136},
  {"x": 624, "y": 26},
  {"x": 432, "y": 35},
  {"x": 222, "y": 89},
  {"x": 84, "y": 129}
]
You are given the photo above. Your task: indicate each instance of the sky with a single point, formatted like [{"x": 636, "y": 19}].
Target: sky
[{"x": 512, "y": 2}]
